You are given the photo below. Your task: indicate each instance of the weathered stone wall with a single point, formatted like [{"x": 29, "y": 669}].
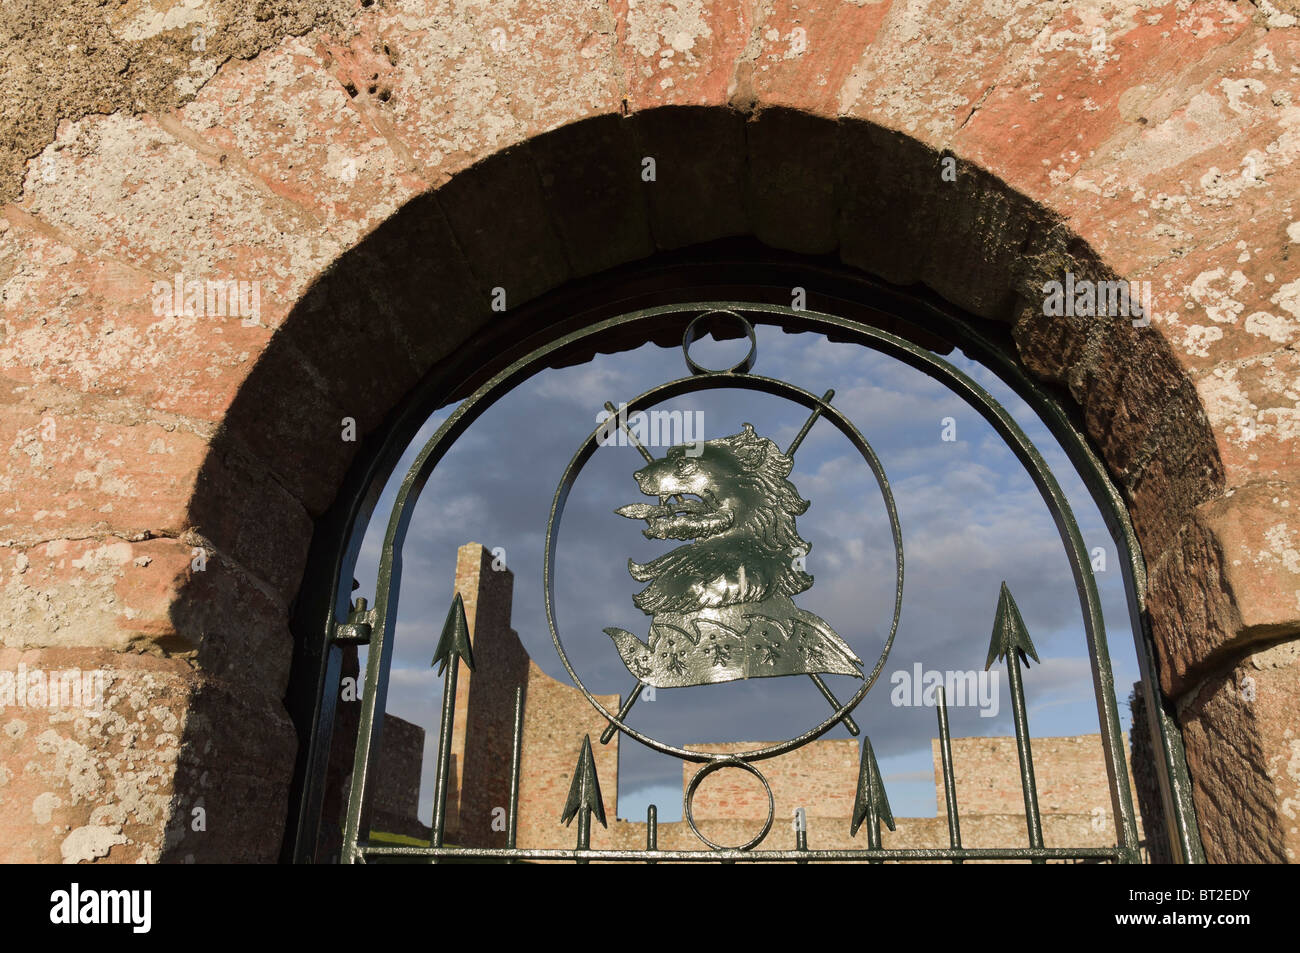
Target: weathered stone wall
[
  {"x": 1069, "y": 774},
  {"x": 397, "y": 782},
  {"x": 556, "y": 719},
  {"x": 485, "y": 697},
  {"x": 820, "y": 777},
  {"x": 378, "y": 169}
]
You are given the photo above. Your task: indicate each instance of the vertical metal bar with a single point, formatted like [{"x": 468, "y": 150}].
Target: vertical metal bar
[
  {"x": 516, "y": 754},
  {"x": 949, "y": 778},
  {"x": 801, "y": 834},
  {"x": 444, "y": 750},
  {"x": 1171, "y": 764},
  {"x": 1032, "y": 819},
  {"x": 370, "y": 732},
  {"x": 651, "y": 830},
  {"x": 608, "y": 734},
  {"x": 1108, "y": 717},
  {"x": 584, "y": 832},
  {"x": 873, "y": 833}
]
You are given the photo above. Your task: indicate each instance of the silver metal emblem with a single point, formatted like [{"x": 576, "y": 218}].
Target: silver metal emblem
[{"x": 722, "y": 605}]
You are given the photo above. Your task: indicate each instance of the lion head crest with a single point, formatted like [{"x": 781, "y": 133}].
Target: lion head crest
[{"x": 732, "y": 498}]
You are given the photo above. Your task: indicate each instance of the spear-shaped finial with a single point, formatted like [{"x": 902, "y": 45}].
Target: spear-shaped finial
[
  {"x": 871, "y": 804},
  {"x": 584, "y": 797},
  {"x": 1011, "y": 641},
  {"x": 453, "y": 647},
  {"x": 455, "y": 638},
  {"x": 1009, "y": 632}
]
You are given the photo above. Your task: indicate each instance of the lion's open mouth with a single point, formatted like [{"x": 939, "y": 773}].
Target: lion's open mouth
[{"x": 684, "y": 517}]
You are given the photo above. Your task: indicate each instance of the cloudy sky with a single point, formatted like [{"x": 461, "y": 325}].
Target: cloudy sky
[{"x": 970, "y": 516}]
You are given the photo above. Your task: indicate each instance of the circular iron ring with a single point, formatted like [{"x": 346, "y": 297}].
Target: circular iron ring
[
  {"x": 694, "y": 333},
  {"x": 689, "y": 798},
  {"x": 651, "y": 398}
]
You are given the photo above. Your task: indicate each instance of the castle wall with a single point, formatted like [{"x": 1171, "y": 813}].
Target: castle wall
[
  {"x": 556, "y": 718},
  {"x": 730, "y": 805}
]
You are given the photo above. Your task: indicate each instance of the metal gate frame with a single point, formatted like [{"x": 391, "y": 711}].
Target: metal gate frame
[{"x": 344, "y": 625}]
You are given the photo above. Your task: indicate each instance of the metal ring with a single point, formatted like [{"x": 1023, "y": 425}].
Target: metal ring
[
  {"x": 656, "y": 395},
  {"x": 689, "y": 797},
  {"x": 693, "y": 334}
]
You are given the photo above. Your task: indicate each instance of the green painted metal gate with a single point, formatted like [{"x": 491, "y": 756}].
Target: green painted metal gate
[{"x": 748, "y": 625}]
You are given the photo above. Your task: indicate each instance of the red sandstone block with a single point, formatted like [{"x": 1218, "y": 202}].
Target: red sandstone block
[
  {"x": 70, "y": 476},
  {"x": 1253, "y": 406},
  {"x": 498, "y": 212},
  {"x": 268, "y": 540},
  {"x": 298, "y": 129},
  {"x": 1234, "y": 300},
  {"x": 599, "y": 208},
  {"x": 1242, "y": 734},
  {"x": 97, "y": 326},
  {"x": 792, "y": 173},
  {"x": 1128, "y": 389},
  {"x": 698, "y": 193},
  {"x": 554, "y": 62},
  {"x": 1191, "y": 162},
  {"x": 127, "y": 188},
  {"x": 93, "y": 782},
  {"x": 682, "y": 54},
  {"x": 1181, "y": 471},
  {"x": 104, "y": 592},
  {"x": 930, "y": 67},
  {"x": 806, "y": 52},
  {"x": 144, "y": 596},
  {"x": 422, "y": 74},
  {"x": 1052, "y": 108},
  {"x": 130, "y": 777}
]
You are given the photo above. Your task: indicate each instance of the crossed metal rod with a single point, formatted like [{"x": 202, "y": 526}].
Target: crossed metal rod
[{"x": 847, "y": 720}]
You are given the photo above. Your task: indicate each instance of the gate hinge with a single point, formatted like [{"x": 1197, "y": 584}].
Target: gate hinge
[{"x": 356, "y": 631}]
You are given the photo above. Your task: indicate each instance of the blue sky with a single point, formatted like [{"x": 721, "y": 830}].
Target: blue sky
[{"x": 970, "y": 516}]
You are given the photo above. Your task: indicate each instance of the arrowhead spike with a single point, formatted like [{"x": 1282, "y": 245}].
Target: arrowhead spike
[
  {"x": 1009, "y": 632},
  {"x": 584, "y": 792},
  {"x": 871, "y": 798},
  {"x": 455, "y": 638}
]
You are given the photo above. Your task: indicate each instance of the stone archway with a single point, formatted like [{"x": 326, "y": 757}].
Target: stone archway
[{"x": 379, "y": 180}]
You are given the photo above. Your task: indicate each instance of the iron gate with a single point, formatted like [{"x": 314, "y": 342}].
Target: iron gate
[{"x": 704, "y": 631}]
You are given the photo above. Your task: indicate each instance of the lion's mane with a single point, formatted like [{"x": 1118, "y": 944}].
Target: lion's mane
[{"x": 769, "y": 540}]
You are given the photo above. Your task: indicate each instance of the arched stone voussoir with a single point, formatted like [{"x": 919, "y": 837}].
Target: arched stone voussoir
[{"x": 577, "y": 200}]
